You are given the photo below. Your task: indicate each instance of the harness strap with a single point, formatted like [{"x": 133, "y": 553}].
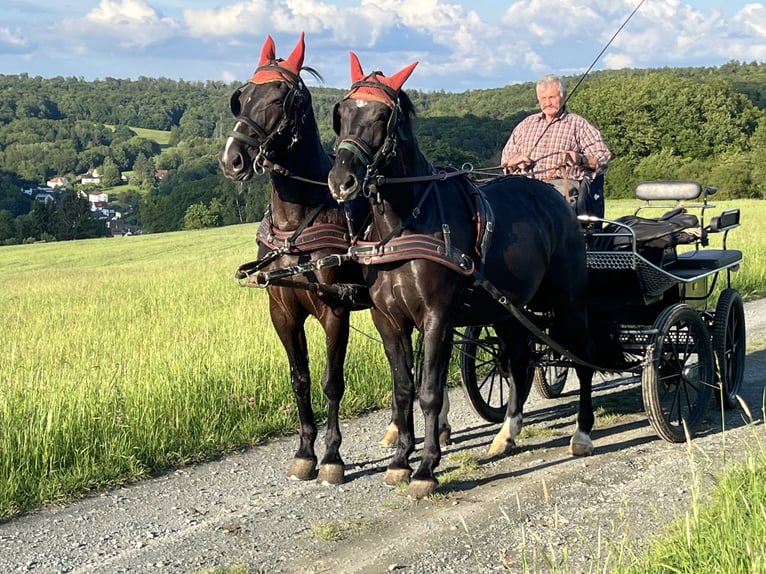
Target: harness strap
[
  {"x": 538, "y": 333},
  {"x": 408, "y": 247},
  {"x": 308, "y": 237}
]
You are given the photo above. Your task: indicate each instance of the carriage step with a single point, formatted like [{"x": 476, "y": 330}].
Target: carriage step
[{"x": 689, "y": 262}]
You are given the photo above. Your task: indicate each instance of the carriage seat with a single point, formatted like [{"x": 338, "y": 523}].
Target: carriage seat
[
  {"x": 676, "y": 227},
  {"x": 673, "y": 190}
]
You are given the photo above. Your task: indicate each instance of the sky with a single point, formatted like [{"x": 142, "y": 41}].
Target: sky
[{"x": 459, "y": 45}]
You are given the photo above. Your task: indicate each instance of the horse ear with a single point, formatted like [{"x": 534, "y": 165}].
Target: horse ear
[
  {"x": 295, "y": 61},
  {"x": 268, "y": 52},
  {"x": 356, "y": 68},
  {"x": 396, "y": 81}
]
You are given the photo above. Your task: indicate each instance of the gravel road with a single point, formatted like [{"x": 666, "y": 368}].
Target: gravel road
[{"x": 242, "y": 510}]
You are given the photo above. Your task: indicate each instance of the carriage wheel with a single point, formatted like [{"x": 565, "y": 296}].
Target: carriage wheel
[
  {"x": 729, "y": 345},
  {"x": 678, "y": 378},
  {"x": 486, "y": 383},
  {"x": 549, "y": 379}
]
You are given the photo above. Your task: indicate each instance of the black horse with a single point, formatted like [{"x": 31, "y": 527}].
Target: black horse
[
  {"x": 276, "y": 130},
  {"x": 433, "y": 235}
]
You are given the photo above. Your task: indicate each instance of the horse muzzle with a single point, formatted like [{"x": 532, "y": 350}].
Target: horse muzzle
[{"x": 234, "y": 161}]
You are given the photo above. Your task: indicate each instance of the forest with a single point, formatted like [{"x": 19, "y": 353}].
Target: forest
[{"x": 704, "y": 123}]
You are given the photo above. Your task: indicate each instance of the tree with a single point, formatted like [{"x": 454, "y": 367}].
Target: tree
[
  {"x": 110, "y": 173},
  {"x": 7, "y": 226},
  {"x": 201, "y": 216},
  {"x": 143, "y": 172},
  {"x": 43, "y": 219},
  {"x": 75, "y": 220}
]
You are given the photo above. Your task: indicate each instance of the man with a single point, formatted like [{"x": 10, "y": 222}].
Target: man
[{"x": 560, "y": 147}]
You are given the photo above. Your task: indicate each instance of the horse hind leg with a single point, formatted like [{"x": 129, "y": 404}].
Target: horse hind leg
[
  {"x": 581, "y": 443},
  {"x": 391, "y": 433},
  {"x": 573, "y": 325},
  {"x": 445, "y": 430},
  {"x": 516, "y": 358}
]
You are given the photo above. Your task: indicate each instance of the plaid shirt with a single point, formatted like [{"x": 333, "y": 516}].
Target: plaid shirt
[{"x": 568, "y": 132}]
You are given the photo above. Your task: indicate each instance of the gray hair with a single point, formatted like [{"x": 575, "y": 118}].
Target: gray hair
[{"x": 552, "y": 79}]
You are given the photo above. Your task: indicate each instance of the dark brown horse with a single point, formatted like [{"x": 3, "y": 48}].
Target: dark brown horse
[
  {"x": 431, "y": 241},
  {"x": 276, "y": 130}
]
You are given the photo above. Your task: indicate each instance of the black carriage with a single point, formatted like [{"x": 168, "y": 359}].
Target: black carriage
[{"x": 653, "y": 279}]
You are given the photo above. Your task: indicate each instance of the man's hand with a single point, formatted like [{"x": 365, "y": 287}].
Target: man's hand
[
  {"x": 518, "y": 163},
  {"x": 579, "y": 159}
]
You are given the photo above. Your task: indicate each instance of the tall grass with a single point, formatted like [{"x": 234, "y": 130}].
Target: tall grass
[
  {"x": 120, "y": 357},
  {"x": 723, "y": 530}
]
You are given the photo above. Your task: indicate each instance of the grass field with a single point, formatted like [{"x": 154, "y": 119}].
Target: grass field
[{"x": 120, "y": 357}]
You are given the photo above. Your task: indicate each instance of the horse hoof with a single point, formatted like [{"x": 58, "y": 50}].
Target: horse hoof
[
  {"x": 421, "y": 488},
  {"x": 302, "y": 469},
  {"x": 390, "y": 437},
  {"x": 580, "y": 445},
  {"x": 445, "y": 437},
  {"x": 501, "y": 447},
  {"x": 395, "y": 476},
  {"x": 330, "y": 474}
]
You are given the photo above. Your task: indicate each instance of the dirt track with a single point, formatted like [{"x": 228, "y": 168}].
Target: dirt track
[{"x": 242, "y": 509}]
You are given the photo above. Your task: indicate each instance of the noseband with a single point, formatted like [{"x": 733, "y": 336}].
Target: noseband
[
  {"x": 374, "y": 161},
  {"x": 287, "y": 132}
]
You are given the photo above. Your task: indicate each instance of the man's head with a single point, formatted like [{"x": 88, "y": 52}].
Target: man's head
[{"x": 551, "y": 94}]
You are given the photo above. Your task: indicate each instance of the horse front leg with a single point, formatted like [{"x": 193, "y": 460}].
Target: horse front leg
[
  {"x": 291, "y": 333},
  {"x": 437, "y": 346},
  {"x": 336, "y": 327}
]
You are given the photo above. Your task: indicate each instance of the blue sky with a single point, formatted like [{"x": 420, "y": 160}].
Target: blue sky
[{"x": 459, "y": 44}]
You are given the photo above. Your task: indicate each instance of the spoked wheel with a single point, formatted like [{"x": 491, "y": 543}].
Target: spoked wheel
[
  {"x": 549, "y": 378},
  {"x": 729, "y": 345},
  {"x": 486, "y": 382},
  {"x": 678, "y": 379}
]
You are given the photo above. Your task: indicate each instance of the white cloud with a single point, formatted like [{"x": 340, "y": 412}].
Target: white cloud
[
  {"x": 239, "y": 18},
  {"x": 460, "y": 44},
  {"x": 129, "y": 23},
  {"x": 13, "y": 41}
]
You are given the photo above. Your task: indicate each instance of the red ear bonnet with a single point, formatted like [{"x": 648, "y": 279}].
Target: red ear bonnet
[
  {"x": 370, "y": 92},
  {"x": 293, "y": 64},
  {"x": 356, "y": 68}
]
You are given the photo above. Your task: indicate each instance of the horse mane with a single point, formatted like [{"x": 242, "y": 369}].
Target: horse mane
[
  {"x": 313, "y": 72},
  {"x": 406, "y": 132}
]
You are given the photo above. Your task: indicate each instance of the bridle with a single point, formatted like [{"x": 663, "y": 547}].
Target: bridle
[
  {"x": 374, "y": 162},
  {"x": 287, "y": 132}
]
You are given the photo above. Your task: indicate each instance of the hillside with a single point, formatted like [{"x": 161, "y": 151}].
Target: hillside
[{"x": 696, "y": 123}]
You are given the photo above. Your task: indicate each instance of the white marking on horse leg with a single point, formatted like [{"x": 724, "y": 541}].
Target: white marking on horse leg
[
  {"x": 581, "y": 444},
  {"x": 505, "y": 440},
  {"x": 390, "y": 436}
]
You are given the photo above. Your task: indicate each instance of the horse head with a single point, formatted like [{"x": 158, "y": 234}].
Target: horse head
[
  {"x": 371, "y": 121},
  {"x": 270, "y": 111}
]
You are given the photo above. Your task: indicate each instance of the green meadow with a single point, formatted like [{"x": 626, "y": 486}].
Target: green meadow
[{"x": 122, "y": 357}]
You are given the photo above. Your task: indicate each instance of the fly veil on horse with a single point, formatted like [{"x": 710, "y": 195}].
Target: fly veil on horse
[
  {"x": 276, "y": 129},
  {"x": 434, "y": 243}
]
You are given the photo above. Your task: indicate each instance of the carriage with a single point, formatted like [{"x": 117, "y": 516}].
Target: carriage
[
  {"x": 654, "y": 283},
  {"x": 506, "y": 291}
]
